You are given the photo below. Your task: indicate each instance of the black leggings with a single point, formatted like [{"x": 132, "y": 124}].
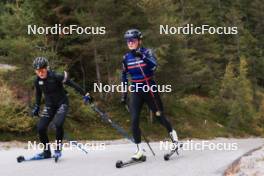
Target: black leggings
[
  {"x": 154, "y": 102},
  {"x": 57, "y": 115}
]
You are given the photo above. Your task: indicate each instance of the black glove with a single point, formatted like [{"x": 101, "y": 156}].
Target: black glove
[
  {"x": 137, "y": 53},
  {"x": 87, "y": 98},
  {"x": 35, "y": 110}
]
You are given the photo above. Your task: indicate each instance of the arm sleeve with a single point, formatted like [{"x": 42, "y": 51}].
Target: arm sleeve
[
  {"x": 65, "y": 80},
  {"x": 150, "y": 59},
  {"x": 124, "y": 76},
  {"x": 75, "y": 86},
  {"x": 38, "y": 93},
  {"x": 124, "y": 72}
]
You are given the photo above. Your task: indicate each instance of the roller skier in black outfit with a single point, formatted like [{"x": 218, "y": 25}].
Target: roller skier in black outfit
[{"x": 56, "y": 107}]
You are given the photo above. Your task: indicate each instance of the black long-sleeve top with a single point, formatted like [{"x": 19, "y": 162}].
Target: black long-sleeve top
[{"x": 53, "y": 89}]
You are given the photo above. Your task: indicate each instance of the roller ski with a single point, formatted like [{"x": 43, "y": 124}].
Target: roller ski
[
  {"x": 176, "y": 143},
  {"x": 40, "y": 156},
  {"x": 138, "y": 157}
]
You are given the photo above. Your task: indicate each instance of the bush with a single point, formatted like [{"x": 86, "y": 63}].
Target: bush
[{"x": 13, "y": 115}]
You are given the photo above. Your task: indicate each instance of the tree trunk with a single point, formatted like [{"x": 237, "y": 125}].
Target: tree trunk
[
  {"x": 83, "y": 75},
  {"x": 108, "y": 74},
  {"x": 97, "y": 67}
]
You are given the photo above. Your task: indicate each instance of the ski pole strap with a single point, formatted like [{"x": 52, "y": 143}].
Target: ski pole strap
[{"x": 106, "y": 118}]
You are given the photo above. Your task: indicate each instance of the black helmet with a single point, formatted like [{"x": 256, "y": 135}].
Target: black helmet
[
  {"x": 133, "y": 33},
  {"x": 40, "y": 62}
]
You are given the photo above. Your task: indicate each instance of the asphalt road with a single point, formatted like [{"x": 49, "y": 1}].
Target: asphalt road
[{"x": 102, "y": 162}]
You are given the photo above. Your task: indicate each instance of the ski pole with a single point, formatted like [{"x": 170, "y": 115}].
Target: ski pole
[
  {"x": 147, "y": 141},
  {"x": 75, "y": 143},
  {"x": 106, "y": 118},
  {"x": 151, "y": 93},
  {"x": 145, "y": 138}
]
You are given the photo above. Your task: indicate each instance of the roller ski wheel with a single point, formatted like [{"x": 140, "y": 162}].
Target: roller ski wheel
[
  {"x": 56, "y": 156},
  {"x": 20, "y": 159}
]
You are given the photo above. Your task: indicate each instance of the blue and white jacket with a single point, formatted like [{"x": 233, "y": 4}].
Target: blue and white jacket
[{"x": 140, "y": 64}]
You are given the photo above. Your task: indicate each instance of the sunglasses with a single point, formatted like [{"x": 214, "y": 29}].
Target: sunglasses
[
  {"x": 132, "y": 40},
  {"x": 42, "y": 70}
]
